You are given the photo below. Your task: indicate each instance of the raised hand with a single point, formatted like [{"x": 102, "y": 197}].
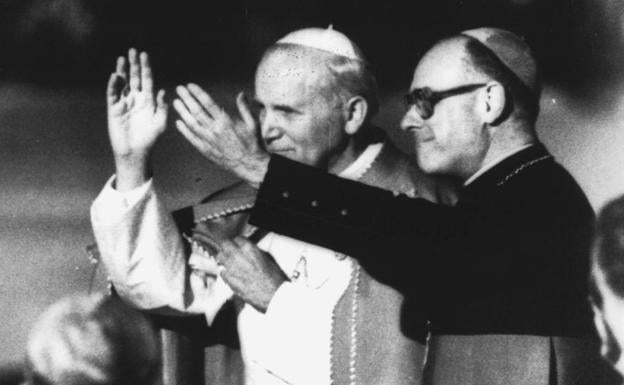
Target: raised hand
[
  {"x": 136, "y": 118},
  {"x": 251, "y": 273},
  {"x": 229, "y": 142}
]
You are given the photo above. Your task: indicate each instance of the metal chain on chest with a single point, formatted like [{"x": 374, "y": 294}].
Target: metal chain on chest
[{"x": 521, "y": 168}]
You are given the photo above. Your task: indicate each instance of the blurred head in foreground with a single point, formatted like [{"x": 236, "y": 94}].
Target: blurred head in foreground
[
  {"x": 92, "y": 340},
  {"x": 607, "y": 282}
]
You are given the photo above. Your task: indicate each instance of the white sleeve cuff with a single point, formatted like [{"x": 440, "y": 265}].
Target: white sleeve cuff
[
  {"x": 281, "y": 305},
  {"x": 131, "y": 197},
  {"x": 111, "y": 204}
]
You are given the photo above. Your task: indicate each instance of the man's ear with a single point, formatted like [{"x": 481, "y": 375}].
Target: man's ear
[
  {"x": 493, "y": 102},
  {"x": 356, "y": 110}
]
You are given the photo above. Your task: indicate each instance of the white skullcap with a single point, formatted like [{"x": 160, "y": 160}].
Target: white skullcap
[
  {"x": 328, "y": 40},
  {"x": 511, "y": 50}
]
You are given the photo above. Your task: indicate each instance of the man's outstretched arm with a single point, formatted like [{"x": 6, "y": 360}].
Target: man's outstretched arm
[
  {"x": 309, "y": 204},
  {"x": 233, "y": 145}
]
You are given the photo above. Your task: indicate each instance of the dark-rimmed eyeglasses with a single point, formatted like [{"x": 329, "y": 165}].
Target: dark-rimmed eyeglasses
[{"x": 425, "y": 99}]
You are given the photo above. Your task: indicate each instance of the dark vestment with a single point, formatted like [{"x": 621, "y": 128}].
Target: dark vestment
[{"x": 510, "y": 259}]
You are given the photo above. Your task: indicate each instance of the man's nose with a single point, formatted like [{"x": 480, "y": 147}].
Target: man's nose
[
  {"x": 411, "y": 120},
  {"x": 269, "y": 127}
]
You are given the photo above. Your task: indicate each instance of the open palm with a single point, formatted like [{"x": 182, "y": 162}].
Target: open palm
[
  {"x": 229, "y": 142},
  {"x": 135, "y": 117}
]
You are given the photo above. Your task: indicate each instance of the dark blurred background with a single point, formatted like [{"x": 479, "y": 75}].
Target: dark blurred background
[
  {"x": 67, "y": 43},
  {"x": 55, "y": 57}
]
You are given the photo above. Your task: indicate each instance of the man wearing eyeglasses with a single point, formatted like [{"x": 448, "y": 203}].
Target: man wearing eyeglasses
[
  {"x": 301, "y": 314},
  {"x": 501, "y": 275}
]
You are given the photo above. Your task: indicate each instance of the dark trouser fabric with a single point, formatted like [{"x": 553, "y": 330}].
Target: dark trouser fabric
[
  {"x": 515, "y": 360},
  {"x": 187, "y": 362}
]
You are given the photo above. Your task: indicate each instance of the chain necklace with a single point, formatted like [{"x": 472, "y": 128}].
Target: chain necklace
[{"x": 522, "y": 167}]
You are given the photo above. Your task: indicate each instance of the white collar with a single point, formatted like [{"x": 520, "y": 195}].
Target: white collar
[
  {"x": 494, "y": 162},
  {"x": 358, "y": 168}
]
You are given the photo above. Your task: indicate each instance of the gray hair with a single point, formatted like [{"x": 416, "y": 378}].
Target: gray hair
[{"x": 84, "y": 340}]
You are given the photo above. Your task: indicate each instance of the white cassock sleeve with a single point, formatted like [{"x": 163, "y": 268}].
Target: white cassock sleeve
[{"x": 144, "y": 255}]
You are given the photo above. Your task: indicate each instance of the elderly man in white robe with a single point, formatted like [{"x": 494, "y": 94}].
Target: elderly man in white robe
[{"x": 308, "y": 315}]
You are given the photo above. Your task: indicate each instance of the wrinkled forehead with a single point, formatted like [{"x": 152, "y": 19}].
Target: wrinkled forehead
[
  {"x": 446, "y": 65},
  {"x": 292, "y": 62},
  {"x": 291, "y": 73}
]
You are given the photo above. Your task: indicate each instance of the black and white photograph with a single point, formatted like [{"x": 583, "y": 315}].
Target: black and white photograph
[{"x": 351, "y": 192}]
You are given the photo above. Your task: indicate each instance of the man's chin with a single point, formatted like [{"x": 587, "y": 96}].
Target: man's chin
[
  {"x": 428, "y": 164},
  {"x": 286, "y": 153},
  {"x": 292, "y": 155}
]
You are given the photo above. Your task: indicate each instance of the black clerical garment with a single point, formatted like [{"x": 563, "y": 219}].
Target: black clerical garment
[{"x": 512, "y": 256}]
